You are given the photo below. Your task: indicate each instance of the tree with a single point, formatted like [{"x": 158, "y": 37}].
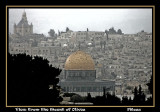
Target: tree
[
  {"x": 67, "y": 29},
  {"x": 135, "y": 91},
  {"x": 52, "y": 33},
  {"x": 135, "y": 99},
  {"x": 76, "y": 98},
  {"x": 150, "y": 85},
  {"x": 89, "y": 98},
  {"x": 28, "y": 81},
  {"x": 125, "y": 100},
  {"x": 104, "y": 92},
  {"x": 107, "y": 36},
  {"x": 140, "y": 90},
  {"x": 119, "y": 31},
  {"x": 139, "y": 96},
  {"x": 112, "y": 31},
  {"x": 112, "y": 99},
  {"x": 130, "y": 101},
  {"x": 106, "y": 31}
]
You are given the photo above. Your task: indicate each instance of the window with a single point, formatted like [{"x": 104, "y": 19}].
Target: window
[
  {"x": 67, "y": 89},
  {"x": 94, "y": 88},
  {"x": 74, "y": 89},
  {"x": 83, "y": 89},
  {"x": 89, "y": 89},
  {"x": 71, "y": 75},
  {"x": 64, "y": 89},
  {"x": 78, "y": 89}
]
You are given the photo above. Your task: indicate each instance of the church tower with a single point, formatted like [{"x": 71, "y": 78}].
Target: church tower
[
  {"x": 24, "y": 16},
  {"x": 23, "y": 28}
]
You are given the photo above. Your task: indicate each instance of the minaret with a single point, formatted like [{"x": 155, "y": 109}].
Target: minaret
[
  {"x": 87, "y": 34},
  {"x": 31, "y": 28}
]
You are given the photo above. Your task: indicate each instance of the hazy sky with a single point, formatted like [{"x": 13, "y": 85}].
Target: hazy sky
[{"x": 129, "y": 20}]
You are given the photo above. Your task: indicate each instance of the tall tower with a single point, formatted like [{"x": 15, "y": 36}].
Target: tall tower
[{"x": 23, "y": 28}]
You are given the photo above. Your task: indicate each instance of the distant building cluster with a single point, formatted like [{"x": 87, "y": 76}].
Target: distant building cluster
[
  {"x": 23, "y": 28},
  {"x": 124, "y": 58}
]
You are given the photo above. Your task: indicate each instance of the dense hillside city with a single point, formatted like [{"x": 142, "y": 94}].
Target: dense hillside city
[{"x": 124, "y": 58}]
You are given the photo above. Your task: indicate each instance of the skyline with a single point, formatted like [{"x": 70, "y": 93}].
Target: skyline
[{"x": 130, "y": 21}]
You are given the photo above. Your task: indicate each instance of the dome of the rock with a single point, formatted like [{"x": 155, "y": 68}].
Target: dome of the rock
[{"x": 79, "y": 61}]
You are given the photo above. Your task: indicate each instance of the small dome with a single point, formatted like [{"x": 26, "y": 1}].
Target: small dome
[{"x": 79, "y": 61}]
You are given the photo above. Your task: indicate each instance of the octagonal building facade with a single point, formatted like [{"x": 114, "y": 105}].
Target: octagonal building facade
[{"x": 80, "y": 76}]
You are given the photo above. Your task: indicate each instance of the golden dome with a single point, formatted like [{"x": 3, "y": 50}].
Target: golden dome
[{"x": 79, "y": 61}]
